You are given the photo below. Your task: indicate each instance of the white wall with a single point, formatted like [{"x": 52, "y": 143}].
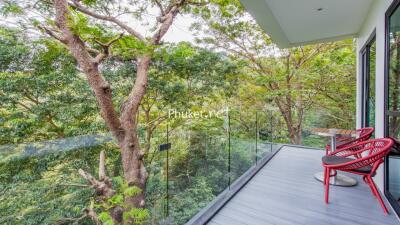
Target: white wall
[{"x": 375, "y": 20}]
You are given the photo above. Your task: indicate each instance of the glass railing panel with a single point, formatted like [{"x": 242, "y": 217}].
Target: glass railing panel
[
  {"x": 198, "y": 168},
  {"x": 264, "y": 134},
  {"x": 205, "y": 158},
  {"x": 39, "y": 183},
  {"x": 315, "y": 119},
  {"x": 156, "y": 190},
  {"x": 242, "y": 142},
  {"x": 323, "y": 119}
]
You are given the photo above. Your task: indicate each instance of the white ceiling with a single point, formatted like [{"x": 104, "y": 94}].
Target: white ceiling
[{"x": 298, "y": 22}]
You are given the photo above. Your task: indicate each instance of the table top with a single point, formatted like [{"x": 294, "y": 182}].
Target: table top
[{"x": 330, "y": 132}]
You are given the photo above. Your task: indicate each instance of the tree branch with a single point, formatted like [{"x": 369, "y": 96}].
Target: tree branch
[
  {"x": 76, "y": 5},
  {"x": 52, "y": 33},
  {"x": 160, "y": 7},
  {"x": 130, "y": 107},
  {"x": 102, "y": 188},
  {"x": 96, "y": 80},
  {"x": 76, "y": 185},
  {"x": 198, "y": 3},
  {"x": 106, "y": 48},
  {"x": 166, "y": 20},
  {"x": 24, "y": 106},
  {"x": 102, "y": 167}
]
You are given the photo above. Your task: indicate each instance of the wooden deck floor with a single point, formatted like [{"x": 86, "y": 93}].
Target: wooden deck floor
[{"x": 285, "y": 192}]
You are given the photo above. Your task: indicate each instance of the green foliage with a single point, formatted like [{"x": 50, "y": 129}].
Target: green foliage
[
  {"x": 79, "y": 24},
  {"x": 105, "y": 218},
  {"x": 139, "y": 216},
  {"x": 89, "y": 2},
  {"x": 180, "y": 74},
  {"x": 293, "y": 83},
  {"x": 82, "y": 26},
  {"x": 129, "y": 47},
  {"x": 191, "y": 200},
  {"x": 115, "y": 200},
  {"x": 43, "y": 93},
  {"x": 44, "y": 96},
  {"x": 11, "y": 7},
  {"x": 36, "y": 189},
  {"x": 13, "y": 53},
  {"x": 183, "y": 73},
  {"x": 123, "y": 191},
  {"x": 132, "y": 191}
]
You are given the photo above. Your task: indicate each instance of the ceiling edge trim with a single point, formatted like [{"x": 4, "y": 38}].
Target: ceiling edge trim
[{"x": 262, "y": 13}]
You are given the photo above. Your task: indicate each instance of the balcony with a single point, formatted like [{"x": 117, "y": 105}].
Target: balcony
[
  {"x": 222, "y": 174},
  {"x": 284, "y": 191}
]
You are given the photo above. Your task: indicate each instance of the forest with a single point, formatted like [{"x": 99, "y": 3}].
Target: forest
[{"x": 90, "y": 101}]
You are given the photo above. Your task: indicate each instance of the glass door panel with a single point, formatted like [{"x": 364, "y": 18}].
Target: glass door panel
[
  {"x": 392, "y": 112},
  {"x": 368, "y": 59},
  {"x": 370, "y": 122}
]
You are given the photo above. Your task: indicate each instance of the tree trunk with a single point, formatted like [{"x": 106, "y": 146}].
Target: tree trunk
[
  {"x": 132, "y": 155},
  {"x": 123, "y": 128},
  {"x": 294, "y": 136},
  {"x": 297, "y": 137},
  {"x": 300, "y": 111},
  {"x": 133, "y": 167}
]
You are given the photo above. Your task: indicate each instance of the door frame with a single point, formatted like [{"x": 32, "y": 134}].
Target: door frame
[
  {"x": 393, "y": 7},
  {"x": 365, "y": 54}
]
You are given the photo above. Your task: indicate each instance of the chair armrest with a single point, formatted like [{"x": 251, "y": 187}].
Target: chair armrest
[
  {"x": 377, "y": 149},
  {"x": 351, "y": 150},
  {"x": 357, "y": 162},
  {"x": 345, "y": 139}
]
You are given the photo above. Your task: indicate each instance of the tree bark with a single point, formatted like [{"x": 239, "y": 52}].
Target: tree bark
[{"x": 132, "y": 155}]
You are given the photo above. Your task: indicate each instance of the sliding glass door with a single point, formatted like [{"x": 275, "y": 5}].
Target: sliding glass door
[
  {"x": 392, "y": 106},
  {"x": 368, "y": 60}
]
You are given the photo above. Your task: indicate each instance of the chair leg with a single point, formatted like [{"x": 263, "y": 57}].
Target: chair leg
[
  {"x": 366, "y": 180},
  {"x": 376, "y": 193},
  {"x": 327, "y": 184},
  {"x": 324, "y": 176}
]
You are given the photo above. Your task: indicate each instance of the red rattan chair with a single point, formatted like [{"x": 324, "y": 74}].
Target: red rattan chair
[
  {"x": 364, "y": 134},
  {"x": 362, "y": 158}
]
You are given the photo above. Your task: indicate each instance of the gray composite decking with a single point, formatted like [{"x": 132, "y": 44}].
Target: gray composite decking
[{"x": 285, "y": 192}]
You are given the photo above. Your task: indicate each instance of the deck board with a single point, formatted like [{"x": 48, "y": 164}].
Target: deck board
[{"x": 285, "y": 192}]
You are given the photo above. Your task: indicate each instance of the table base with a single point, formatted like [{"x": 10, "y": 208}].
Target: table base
[{"x": 338, "y": 180}]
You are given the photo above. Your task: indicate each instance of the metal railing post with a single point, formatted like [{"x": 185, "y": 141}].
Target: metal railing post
[
  {"x": 167, "y": 211},
  {"x": 256, "y": 138},
  {"x": 229, "y": 151},
  {"x": 272, "y": 135}
]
